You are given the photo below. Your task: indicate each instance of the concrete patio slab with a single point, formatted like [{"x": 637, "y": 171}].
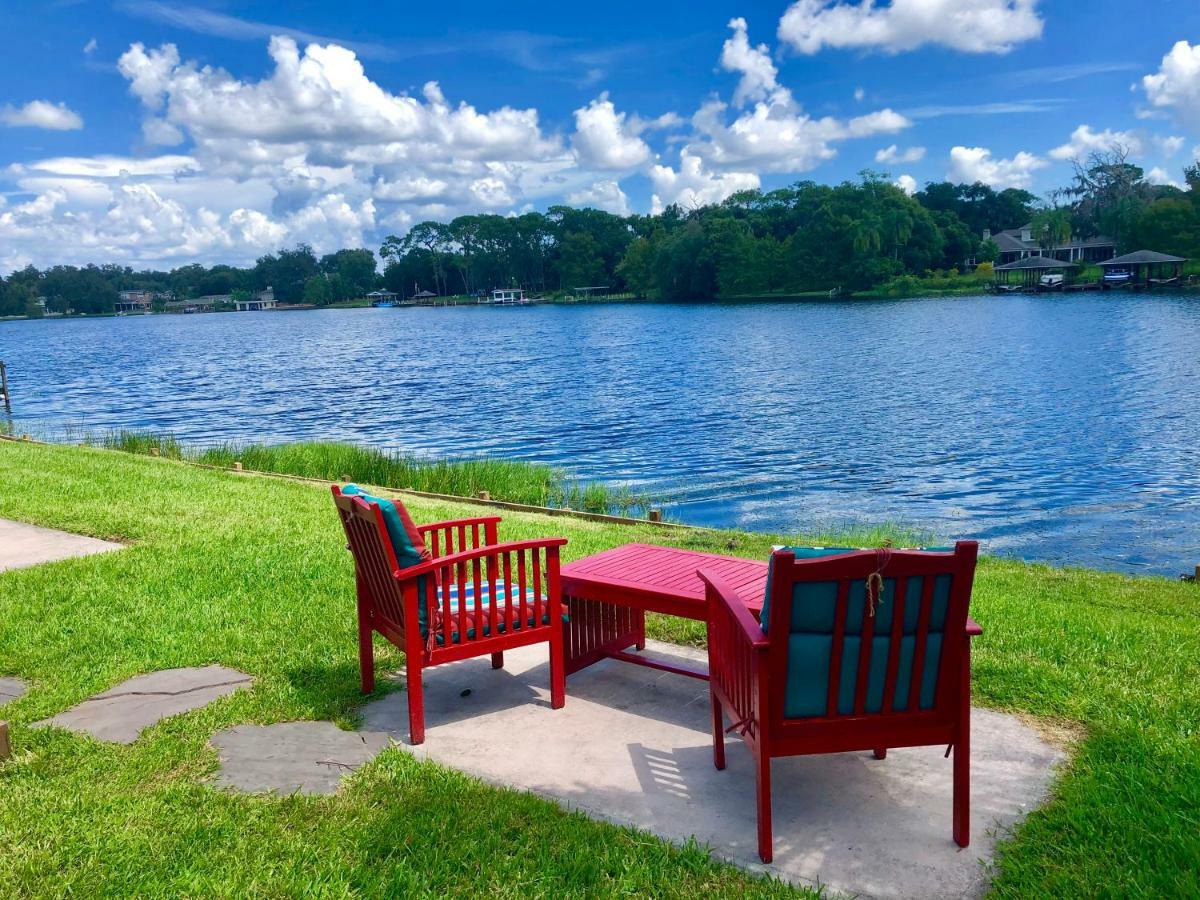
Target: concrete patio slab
[
  {"x": 24, "y": 545},
  {"x": 11, "y": 689},
  {"x": 122, "y": 712},
  {"x": 632, "y": 746},
  {"x": 292, "y": 757}
]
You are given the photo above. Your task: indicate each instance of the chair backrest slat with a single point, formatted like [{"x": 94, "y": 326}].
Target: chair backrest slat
[
  {"x": 866, "y": 644},
  {"x": 920, "y": 645},
  {"x": 839, "y": 644},
  {"x": 895, "y": 644}
]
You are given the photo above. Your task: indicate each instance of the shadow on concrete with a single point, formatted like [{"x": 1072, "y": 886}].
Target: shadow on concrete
[{"x": 633, "y": 746}]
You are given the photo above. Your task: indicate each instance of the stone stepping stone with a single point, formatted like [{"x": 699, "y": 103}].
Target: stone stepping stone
[
  {"x": 292, "y": 757},
  {"x": 24, "y": 545},
  {"x": 122, "y": 712},
  {"x": 11, "y": 689}
]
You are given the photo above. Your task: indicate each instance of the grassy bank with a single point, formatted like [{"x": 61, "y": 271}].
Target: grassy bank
[
  {"x": 251, "y": 573},
  {"x": 535, "y": 484}
]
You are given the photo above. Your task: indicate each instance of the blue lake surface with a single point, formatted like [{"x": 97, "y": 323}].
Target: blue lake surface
[{"x": 1062, "y": 428}]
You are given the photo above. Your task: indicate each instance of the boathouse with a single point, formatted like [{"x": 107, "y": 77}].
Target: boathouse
[
  {"x": 382, "y": 298},
  {"x": 1028, "y": 272},
  {"x": 262, "y": 300},
  {"x": 1143, "y": 269}
]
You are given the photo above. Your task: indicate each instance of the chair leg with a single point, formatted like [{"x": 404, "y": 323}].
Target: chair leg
[
  {"x": 962, "y": 758},
  {"x": 763, "y": 788},
  {"x": 718, "y": 731},
  {"x": 416, "y": 701},
  {"x": 641, "y": 629},
  {"x": 962, "y": 793},
  {"x": 498, "y": 660},
  {"x": 366, "y": 655},
  {"x": 558, "y": 671},
  {"x": 881, "y": 752}
]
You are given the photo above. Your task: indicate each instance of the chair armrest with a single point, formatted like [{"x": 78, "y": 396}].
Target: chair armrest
[
  {"x": 737, "y": 656},
  {"x": 724, "y": 600},
  {"x": 485, "y": 552},
  {"x": 454, "y": 523}
]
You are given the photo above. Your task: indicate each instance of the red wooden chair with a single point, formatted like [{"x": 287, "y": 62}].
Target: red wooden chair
[
  {"x": 850, "y": 656},
  {"x": 411, "y": 581}
]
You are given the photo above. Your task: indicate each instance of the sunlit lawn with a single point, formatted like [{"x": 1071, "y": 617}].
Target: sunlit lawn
[{"x": 251, "y": 572}]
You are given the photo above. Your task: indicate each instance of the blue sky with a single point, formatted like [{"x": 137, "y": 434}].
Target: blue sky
[{"x": 154, "y": 133}]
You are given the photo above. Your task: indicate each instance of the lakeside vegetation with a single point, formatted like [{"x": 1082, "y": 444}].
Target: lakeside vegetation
[
  {"x": 251, "y": 572},
  {"x": 862, "y": 238},
  {"x": 514, "y": 481}
]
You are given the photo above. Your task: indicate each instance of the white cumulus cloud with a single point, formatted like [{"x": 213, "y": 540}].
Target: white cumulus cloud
[
  {"x": 1175, "y": 87},
  {"x": 604, "y": 139},
  {"x": 42, "y": 114},
  {"x": 606, "y": 195},
  {"x": 777, "y": 136},
  {"x": 1169, "y": 145},
  {"x": 893, "y": 154},
  {"x": 972, "y": 26},
  {"x": 1084, "y": 140},
  {"x": 906, "y": 183},
  {"x": 971, "y": 164},
  {"x": 692, "y": 185},
  {"x": 1159, "y": 175},
  {"x": 314, "y": 150},
  {"x": 753, "y": 62}
]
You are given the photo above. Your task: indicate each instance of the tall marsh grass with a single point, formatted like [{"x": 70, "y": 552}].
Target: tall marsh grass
[{"x": 513, "y": 481}]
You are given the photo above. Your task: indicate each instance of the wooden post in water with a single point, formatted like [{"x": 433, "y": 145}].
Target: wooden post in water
[
  {"x": 5, "y": 746},
  {"x": 1198, "y": 574},
  {"x": 4, "y": 388},
  {"x": 484, "y": 495},
  {"x": 656, "y": 515}
]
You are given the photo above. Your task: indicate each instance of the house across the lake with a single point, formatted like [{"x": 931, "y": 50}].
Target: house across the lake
[
  {"x": 133, "y": 301},
  {"x": 1019, "y": 243}
]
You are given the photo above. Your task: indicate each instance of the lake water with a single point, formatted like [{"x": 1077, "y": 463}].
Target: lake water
[{"x": 1061, "y": 428}]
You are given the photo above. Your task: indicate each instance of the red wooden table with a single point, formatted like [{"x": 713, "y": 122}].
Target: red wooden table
[{"x": 609, "y": 594}]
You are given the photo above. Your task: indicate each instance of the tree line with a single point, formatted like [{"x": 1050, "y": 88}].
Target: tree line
[{"x": 805, "y": 237}]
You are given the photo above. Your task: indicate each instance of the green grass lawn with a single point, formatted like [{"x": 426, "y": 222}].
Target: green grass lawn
[{"x": 251, "y": 572}]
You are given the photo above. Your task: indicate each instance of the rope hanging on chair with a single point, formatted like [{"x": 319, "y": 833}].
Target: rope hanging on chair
[{"x": 883, "y": 556}]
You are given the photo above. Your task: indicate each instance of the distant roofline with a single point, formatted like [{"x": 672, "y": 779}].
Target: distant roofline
[
  {"x": 1035, "y": 262},
  {"x": 1143, "y": 257}
]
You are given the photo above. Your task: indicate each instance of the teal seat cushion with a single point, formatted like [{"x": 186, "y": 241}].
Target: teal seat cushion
[
  {"x": 407, "y": 542},
  {"x": 810, "y": 642},
  {"x": 480, "y": 609}
]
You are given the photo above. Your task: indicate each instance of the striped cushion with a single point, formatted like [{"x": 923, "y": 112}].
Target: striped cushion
[{"x": 482, "y": 606}]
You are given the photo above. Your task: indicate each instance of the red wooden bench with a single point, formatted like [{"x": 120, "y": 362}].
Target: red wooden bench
[
  {"x": 859, "y": 650},
  {"x": 512, "y": 592}
]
